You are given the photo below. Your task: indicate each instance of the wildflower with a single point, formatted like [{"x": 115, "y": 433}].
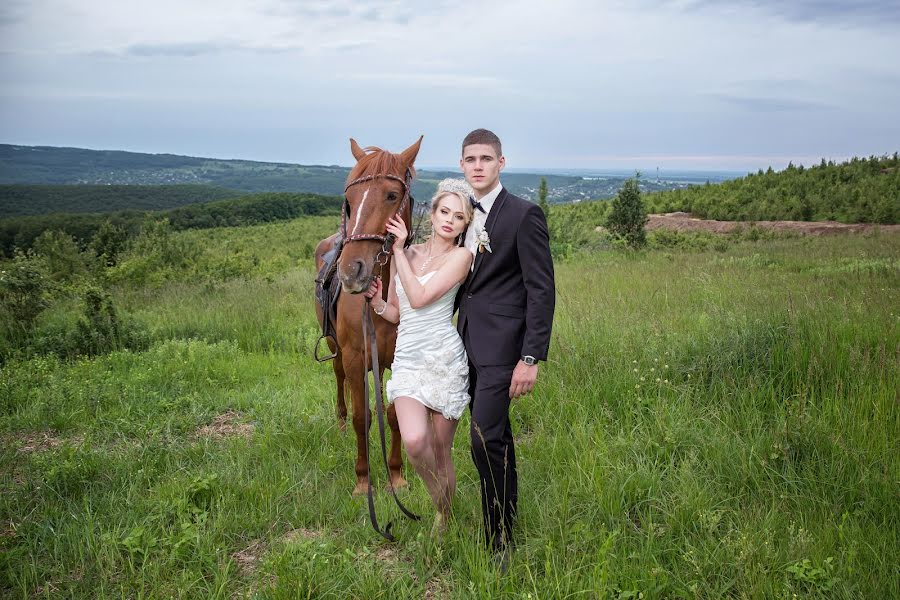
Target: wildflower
[
  {"x": 657, "y": 380},
  {"x": 642, "y": 377},
  {"x": 635, "y": 370},
  {"x": 652, "y": 369},
  {"x": 655, "y": 360},
  {"x": 665, "y": 381},
  {"x": 665, "y": 366}
]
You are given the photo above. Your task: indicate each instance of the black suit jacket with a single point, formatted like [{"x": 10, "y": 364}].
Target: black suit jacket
[{"x": 506, "y": 303}]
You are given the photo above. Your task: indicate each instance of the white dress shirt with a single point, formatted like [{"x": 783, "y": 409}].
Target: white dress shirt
[{"x": 480, "y": 218}]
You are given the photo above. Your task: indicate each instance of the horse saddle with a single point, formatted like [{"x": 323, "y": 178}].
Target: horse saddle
[{"x": 328, "y": 289}]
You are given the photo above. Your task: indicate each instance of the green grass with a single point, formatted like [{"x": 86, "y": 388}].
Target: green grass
[{"x": 762, "y": 463}]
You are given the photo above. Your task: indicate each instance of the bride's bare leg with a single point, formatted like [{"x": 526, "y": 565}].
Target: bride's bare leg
[
  {"x": 417, "y": 435},
  {"x": 444, "y": 430}
]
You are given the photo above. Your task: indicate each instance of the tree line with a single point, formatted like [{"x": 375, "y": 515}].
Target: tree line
[
  {"x": 19, "y": 200},
  {"x": 21, "y": 232},
  {"x": 861, "y": 190}
]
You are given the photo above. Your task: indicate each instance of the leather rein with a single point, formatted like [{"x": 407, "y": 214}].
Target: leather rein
[{"x": 370, "y": 343}]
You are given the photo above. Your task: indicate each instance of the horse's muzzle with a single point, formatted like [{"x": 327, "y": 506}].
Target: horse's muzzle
[{"x": 355, "y": 276}]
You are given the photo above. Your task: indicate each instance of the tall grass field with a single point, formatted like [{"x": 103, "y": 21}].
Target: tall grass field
[{"x": 715, "y": 421}]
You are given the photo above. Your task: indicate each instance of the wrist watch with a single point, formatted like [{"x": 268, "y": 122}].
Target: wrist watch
[{"x": 529, "y": 360}]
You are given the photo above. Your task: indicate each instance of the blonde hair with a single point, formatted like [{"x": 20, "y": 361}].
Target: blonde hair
[{"x": 455, "y": 187}]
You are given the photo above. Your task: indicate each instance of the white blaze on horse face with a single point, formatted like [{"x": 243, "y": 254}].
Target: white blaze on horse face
[{"x": 359, "y": 211}]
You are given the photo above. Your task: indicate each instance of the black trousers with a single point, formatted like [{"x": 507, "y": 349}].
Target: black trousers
[{"x": 493, "y": 451}]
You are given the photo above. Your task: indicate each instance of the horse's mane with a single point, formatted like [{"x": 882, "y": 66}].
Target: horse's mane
[{"x": 378, "y": 162}]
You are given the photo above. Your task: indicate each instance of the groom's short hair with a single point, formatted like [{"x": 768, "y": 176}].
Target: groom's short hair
[{"x": 483, "y": 136}]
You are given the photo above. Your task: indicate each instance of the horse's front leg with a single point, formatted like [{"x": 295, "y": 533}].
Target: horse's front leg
[
  {"x": 340, "y": 378},
  {"x": 356, "y": 378}
]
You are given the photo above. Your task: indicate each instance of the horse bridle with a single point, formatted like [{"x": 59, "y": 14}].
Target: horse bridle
[{"x": 385, "y": 238}]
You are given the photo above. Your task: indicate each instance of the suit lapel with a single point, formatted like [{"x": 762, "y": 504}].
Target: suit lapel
[{"x": 489, "y": 227}]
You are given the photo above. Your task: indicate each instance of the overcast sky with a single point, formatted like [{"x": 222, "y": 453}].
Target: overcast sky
[{"x": 730, "y": 84}]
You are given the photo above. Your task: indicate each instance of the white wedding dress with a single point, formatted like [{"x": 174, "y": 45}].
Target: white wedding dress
[{"x": 430, "y": 362}]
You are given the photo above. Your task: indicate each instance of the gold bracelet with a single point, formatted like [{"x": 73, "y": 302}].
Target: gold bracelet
[{"x": 383, "y": 308}]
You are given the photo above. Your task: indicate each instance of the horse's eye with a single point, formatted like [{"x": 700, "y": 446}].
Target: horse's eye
[{"x": 392, "y": 196}]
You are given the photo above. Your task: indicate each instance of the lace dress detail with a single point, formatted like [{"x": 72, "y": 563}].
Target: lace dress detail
[{"x": 430, "y": 362}]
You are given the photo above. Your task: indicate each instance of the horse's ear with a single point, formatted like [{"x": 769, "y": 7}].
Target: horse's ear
[
  {"x": 358, "y": 152},
  {"x": 409, "y": 155}
]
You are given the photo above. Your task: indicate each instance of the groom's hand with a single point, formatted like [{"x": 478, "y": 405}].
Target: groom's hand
[{"x": 523, "y": 379}]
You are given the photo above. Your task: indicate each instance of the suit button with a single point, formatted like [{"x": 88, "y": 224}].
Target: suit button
[{"x": 470, "y": 295}]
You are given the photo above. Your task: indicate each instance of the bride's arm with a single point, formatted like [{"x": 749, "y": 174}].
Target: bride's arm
[
  {"x": 453, "y": 271},
  {"x": 389, "y": 309}
]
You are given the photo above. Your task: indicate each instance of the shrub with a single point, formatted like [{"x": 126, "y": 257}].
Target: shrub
[
  {"x": 63, "y": 256},
  {"x": 98, "y": 329},
  {"x": 155, "y": 255},
  {"x": 628, "y": 216},
  {"x": 24, "y": 293},
  {"x": 683, "y": 240},
  {"x": 108, "y": 242}
]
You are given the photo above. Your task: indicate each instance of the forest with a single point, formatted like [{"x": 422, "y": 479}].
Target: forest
[
  {"x": 253, "y": 209},
  {"x": 18, "y": 200},
  {"x": 861, "y": 190}
]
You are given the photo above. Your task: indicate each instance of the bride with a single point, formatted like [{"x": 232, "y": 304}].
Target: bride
[{"x": 429, "y": 382}]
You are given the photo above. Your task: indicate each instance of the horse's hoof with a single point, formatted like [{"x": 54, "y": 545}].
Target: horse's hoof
[
  {"x": 398, "y": 482},
  {"x": 361, "y": 489},
  {"x": 342, "y": 425}
]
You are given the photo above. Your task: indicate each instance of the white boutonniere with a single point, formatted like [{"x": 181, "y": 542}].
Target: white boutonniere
[{"x": 484, "y": 242}]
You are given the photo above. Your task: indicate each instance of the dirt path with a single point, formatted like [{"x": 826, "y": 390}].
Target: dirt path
[{"x": 681, "y": 221}]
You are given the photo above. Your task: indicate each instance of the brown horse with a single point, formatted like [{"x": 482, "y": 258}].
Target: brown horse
[{"x": 377, "y": 187}]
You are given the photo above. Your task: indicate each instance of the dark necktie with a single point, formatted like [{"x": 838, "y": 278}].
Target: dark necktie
[{"x": 476, "y": 205}]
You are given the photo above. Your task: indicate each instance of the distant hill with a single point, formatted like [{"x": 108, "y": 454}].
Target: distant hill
[
  {"x": 51, "y": 165},
  {"x": 861, "y": 190},
  {"x": 18, "y": 200}
]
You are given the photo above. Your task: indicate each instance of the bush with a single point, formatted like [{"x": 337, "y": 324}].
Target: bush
[
  {"x": 667, "y": 238},
  {"x": 108, "y": 242},
  {"x": 99, "y": 329},
  {"x": 155, "y": 255},
  {"x": 63, "y": 256},
  {"x": 574, "y": 226},
  {"x": 628, "y": 216},
  {"x": 24, "y": 293}
]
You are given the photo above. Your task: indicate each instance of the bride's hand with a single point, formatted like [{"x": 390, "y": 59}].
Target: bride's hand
[
  {"x": 396, "y": 226},
  {"x": 374, "y": 290}
]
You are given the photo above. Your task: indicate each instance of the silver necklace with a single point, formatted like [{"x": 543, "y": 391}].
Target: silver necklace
[{"x": 431, "y": 258}]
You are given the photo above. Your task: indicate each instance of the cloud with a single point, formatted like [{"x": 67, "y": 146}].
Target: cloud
[
  {"x": 186, "y": 49},
  {"x": 770, "y": 104},
  {"x": 194, "y": 49},
  {"x": 368, "y": 11},
  {"x": 833, "y": 12},
  {"x": 451, "y": 80},
  {"x": 348, "y": 45},
  {"x": 12, "y": 12}
]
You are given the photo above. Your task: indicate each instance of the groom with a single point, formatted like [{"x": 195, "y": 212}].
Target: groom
[{"x": 505, "y": 314}]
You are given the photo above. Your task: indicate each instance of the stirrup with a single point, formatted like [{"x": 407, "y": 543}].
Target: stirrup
[{"x": 316, "y": 350}]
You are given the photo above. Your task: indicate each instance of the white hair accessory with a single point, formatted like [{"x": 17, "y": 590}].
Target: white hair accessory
[{"x": 458, "y": 186}]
